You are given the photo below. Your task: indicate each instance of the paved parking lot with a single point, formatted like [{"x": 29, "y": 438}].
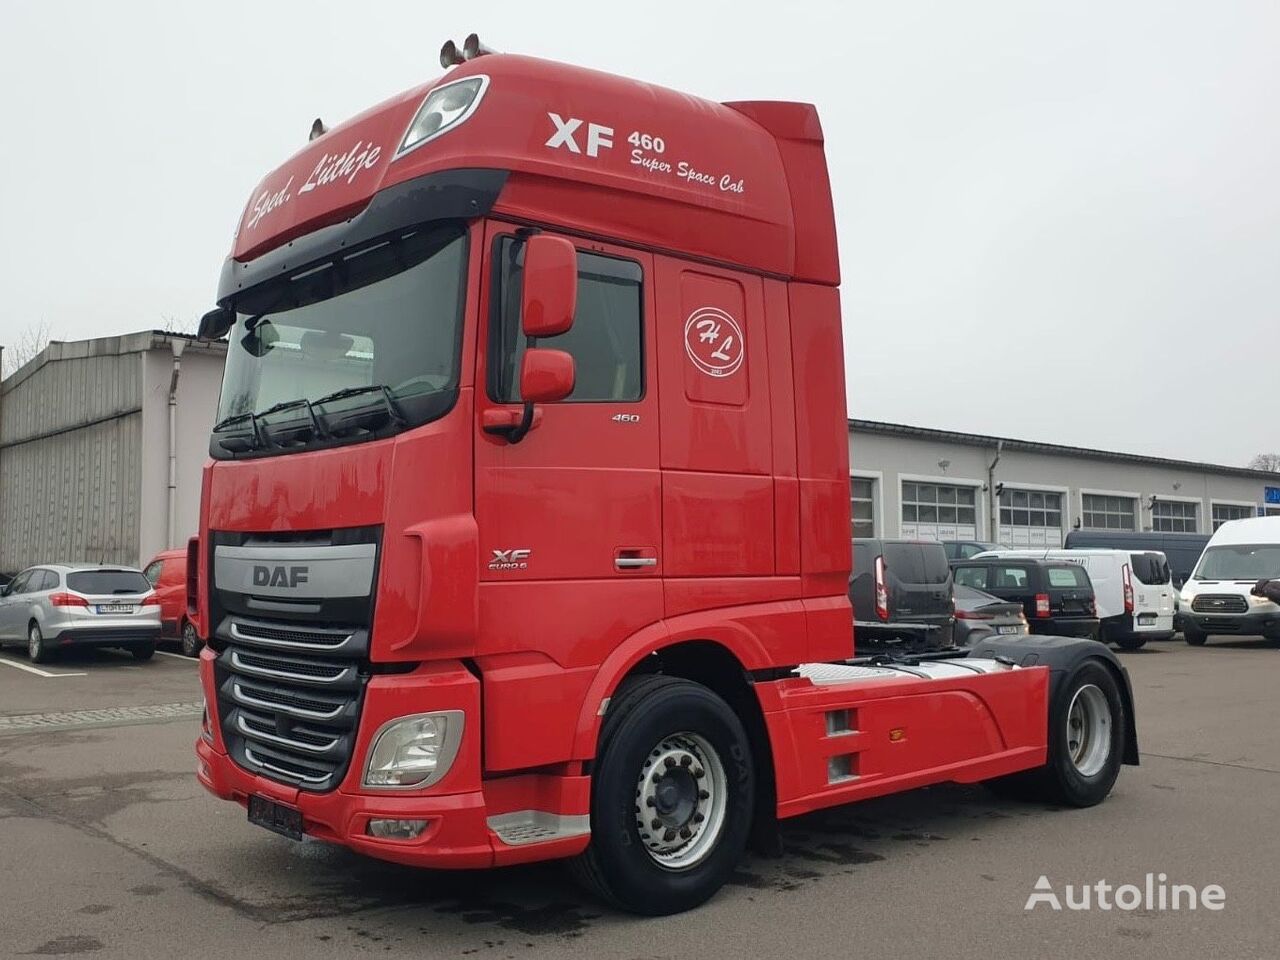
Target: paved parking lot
[{"x": 108, "y": 847}]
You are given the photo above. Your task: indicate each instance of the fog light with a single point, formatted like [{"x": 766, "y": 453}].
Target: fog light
[
  {"x": 203, "y": 771},
  {"x": 397, "y": 829},
  {"x": 206, "y": 731},
  {"x": 414, "y": 751}
]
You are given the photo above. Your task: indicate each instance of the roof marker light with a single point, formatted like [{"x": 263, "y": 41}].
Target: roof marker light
[{"x": 447, "y": 106}]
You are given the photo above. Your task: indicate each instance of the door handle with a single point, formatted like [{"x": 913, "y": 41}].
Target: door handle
[{"x": 634, "y": 563}]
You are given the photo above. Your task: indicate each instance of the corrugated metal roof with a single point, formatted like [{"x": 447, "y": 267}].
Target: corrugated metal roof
[{"x": 1055, "y": 449}]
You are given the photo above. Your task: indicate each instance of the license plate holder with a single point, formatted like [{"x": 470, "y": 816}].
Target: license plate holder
[
  {"x": 1009, "y": 631},
  {"x": 1146, "y": 619},
  {"x": 276, "y": 817},
  {"x": 115, "y": 608}
]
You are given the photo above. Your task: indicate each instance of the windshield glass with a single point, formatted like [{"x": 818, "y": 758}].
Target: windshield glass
[
  {"x": 1240, "y": 562},
  {"x": 381, "y": 327}
]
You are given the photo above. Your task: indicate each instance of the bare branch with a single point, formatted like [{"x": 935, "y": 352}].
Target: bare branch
[
  {"x": 33, "y": 338},
  {"x": 1266, "y": 461}
]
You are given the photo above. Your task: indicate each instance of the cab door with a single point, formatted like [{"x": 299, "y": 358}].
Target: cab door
[{"x": 569, "y": 516}]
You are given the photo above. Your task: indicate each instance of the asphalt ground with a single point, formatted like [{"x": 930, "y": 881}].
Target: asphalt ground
[{"x": 109, "y": 848}]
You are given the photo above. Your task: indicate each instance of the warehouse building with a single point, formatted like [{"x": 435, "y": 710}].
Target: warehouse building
[
  {"x": 937, "y": 484},
  {"x": 101, "y": 447}
]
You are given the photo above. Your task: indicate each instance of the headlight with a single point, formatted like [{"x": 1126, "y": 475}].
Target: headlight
[
  {"x": 414, "y": 751},
  {"x": 445, "y": 108}
]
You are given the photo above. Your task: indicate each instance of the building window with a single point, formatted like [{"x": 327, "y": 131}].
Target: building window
[
  {"x": 938, "y": 510},
  {"x": 1028, "y": 508},
  {"x": 1222, "y": 512},
  {"x": 1175, "y": 516},
  {"x": 862, "y": 500},
  {"x": 1107, "y": 513}
]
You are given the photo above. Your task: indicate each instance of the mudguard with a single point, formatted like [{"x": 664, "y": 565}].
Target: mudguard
[{"x": 1062, "y": 655}]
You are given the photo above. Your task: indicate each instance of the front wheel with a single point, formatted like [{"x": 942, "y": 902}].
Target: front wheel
[
  {"x": 1194, "y": 636},
  {"x": 672, "y": 798},
  {"x": 1131, "y": 643},
  {"x": 190, "y": 640},
  {"x": 38, "y": 648}
]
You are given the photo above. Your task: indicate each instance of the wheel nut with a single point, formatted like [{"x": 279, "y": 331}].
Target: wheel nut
[
  {"x": 686, "y": 760},
  {"x": 650, "y": 802},
  {"x": 698, "y": 818},
  {"x": 669, "y": 762},
  {"x": 699, "y": 773},
  {"x": 669, "y": 835},
  {"x": 656, "y": 824},
  {"x": 703, "y": 795},
  {"x": 686, "y": 833}
]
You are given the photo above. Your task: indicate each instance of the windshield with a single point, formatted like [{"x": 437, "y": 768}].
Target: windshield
[
  {"x": 1240, "y": 562},
  {"x": 350, "y": 349}
]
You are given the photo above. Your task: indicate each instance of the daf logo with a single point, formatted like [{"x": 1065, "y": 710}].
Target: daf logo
[
  {"x": 517, "y": 559},
  {"x": 279, "y": 576}
]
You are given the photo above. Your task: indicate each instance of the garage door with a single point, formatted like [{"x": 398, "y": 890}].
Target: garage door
[
  {"x": 1030, "y": 518},
  {"x": 935, "y": 511}
]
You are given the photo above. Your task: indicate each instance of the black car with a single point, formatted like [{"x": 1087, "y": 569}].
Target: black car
[
  {"x": 901, "y": 594},
  {"x": 958, "y": 550},
  {"x": 1056, "y": 596}
]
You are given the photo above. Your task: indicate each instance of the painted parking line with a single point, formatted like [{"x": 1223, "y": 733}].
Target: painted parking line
[
  {"x": 38, "y": 672},
  {"x": 178, "y": 656}
]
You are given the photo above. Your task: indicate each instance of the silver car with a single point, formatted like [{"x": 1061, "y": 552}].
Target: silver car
[{"x": 59, "y": 605}]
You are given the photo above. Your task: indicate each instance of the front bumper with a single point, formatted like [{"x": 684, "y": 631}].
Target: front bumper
[
  {"x": 458, "y": 808},
  {"x": 1254, "y": 623}
]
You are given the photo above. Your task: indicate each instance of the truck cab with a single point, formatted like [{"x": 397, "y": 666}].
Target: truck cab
[{"x": 522, "y": 535}]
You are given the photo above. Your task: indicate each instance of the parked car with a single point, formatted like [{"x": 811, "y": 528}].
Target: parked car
[
  {"x": 167, "y": 574},
  {"x": 1181, "y": 550},
  {"x": 1218, "y": 597},
  {"x": 1133, "y": 591},
  {"x": 1057, "y": 597},
  {"x": 980, "y": 615},
  {"x": 55, "y": 606},
  {"x": 964, "y": 549},
  {"x": 901, "y": 594}
]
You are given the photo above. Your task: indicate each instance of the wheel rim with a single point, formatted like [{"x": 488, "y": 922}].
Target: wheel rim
[
  {"x": 681, "y": 797},
  {"x": 33, "y": 641},
  {"x": 1089, "y": 730},
  {"x": 189, "y": 640}
]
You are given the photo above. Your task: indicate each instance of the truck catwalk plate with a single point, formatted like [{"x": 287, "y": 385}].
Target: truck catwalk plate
[{"x": 276, "y": 817}]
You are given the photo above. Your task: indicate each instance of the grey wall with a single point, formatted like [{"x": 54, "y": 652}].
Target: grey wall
[
  {"x": 896, "y": 457},
  {"x": 70, "y": 436},
  {"x": 198, "y": 385}
]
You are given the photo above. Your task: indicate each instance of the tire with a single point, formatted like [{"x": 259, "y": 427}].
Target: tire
[
  {"x": 143, "y": 652},
  {"x": 1076, "y": 774},
  {"x": 38, "y": 648},
  {"x": 658, "y": 724},
  {"x": 1131, "y": 643},
  {"x": 190, "y": 643},
  {"x": 1194, "y": 636}
]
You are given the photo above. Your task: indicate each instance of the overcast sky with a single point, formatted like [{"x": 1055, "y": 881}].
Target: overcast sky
[{"x": 1057, "y": 221}]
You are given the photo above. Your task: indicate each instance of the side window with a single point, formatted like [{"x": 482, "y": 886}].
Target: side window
[
  {"x": 971, "y": 550},
  {"x": 604, "y": 341},
  {"x": 48, "y": 581},
  {"x": 20, "y": 582},
  {"x": 152, "y": 573},
  {"x": 1011, "y": 578},
  {"x": 936, "y": 568},
  {"x": 905, "y": 561},
  {"x": 975, "y": 577}
]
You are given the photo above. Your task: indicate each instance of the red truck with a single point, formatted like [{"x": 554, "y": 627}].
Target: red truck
[{"x": 525, "y": 533}]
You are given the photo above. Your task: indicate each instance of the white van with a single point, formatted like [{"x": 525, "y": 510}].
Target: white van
[
  {"x": 1217, "y": 600},
  {"x": 1133, "y": 590}
]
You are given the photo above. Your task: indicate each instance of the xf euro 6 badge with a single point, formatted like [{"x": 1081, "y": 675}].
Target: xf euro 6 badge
[{"x": 713, "y": 341}]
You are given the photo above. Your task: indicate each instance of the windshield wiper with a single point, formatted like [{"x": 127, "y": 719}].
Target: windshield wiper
[
  {"x": 289, "y": 405},
  {"x": 394, "y": 410},
  {"x": 240, "y": 444}
]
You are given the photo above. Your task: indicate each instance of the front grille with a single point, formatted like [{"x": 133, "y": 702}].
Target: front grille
[
  {"x": 1220, "y": 603},
  {"x": 291, "y": 716}
]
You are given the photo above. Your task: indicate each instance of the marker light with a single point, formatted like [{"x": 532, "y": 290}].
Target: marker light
[
  {"x": 414, "y": 751},
  {"x": 445, "y": 108}
]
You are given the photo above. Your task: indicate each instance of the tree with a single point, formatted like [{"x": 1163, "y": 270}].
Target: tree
[
  {"x": 1266, "y": 461},
  {"x": 171, "y": 324},
  {"x": 34, "y": 338}
]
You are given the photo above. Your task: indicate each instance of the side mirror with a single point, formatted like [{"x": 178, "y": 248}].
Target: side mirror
[
  {"x": 550, "y": 294},
  {"x": 545, "y": 375},
  {"x": 215, "y": 324}
]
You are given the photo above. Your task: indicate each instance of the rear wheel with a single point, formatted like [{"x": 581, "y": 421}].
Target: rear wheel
[
  {"x": 1087, "y": 725},
  {"x": 1131, "y": 643},
  {"x": 143, "y": 651},
  {"x": 1194, "y": 636},
  {"x": 672, "y": 798},
  {"x": 190, "y": 639},
  {"x": 38, "y": 648}
]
